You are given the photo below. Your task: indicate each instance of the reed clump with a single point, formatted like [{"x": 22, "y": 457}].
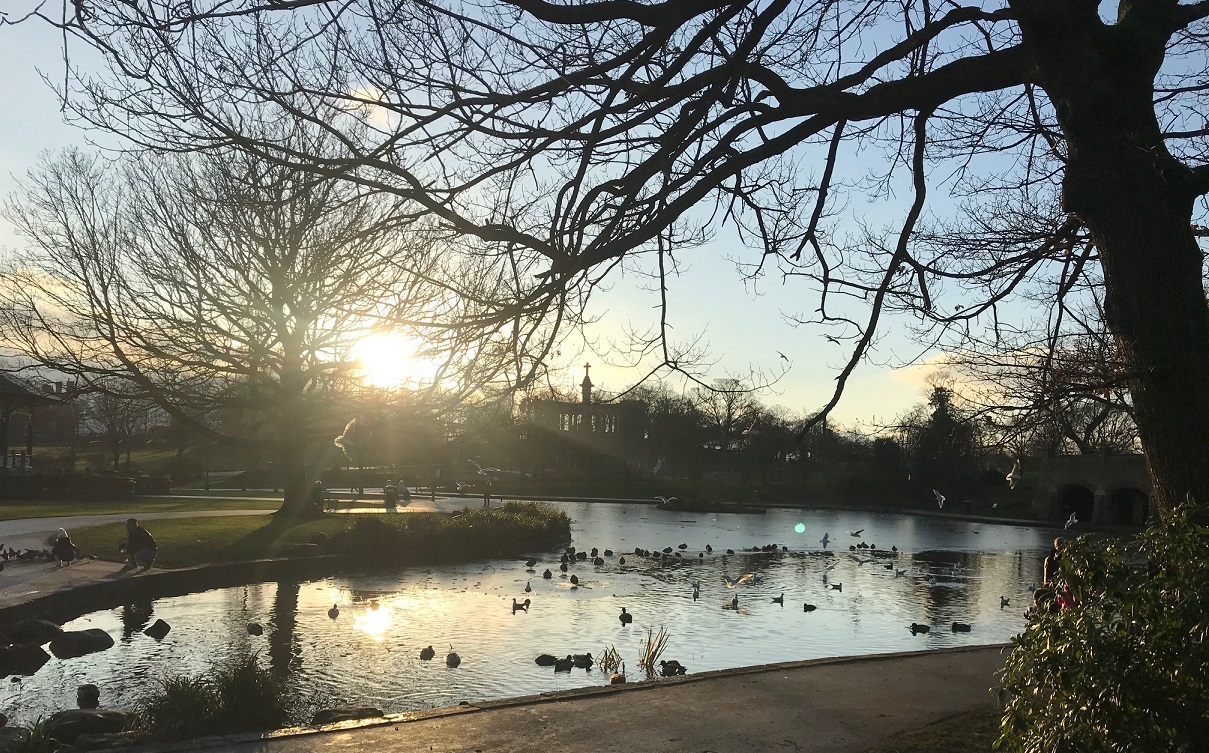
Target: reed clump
[{"x": 652, "y": 648}]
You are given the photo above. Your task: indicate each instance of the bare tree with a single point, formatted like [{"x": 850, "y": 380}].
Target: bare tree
[
  {"x": 573, "y": 140},
  {"x": 230, "y": 292},
  {"x": 118, "y": 421}
]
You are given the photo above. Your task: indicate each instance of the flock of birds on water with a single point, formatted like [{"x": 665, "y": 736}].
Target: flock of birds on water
[{"x": 671, "y": 556}]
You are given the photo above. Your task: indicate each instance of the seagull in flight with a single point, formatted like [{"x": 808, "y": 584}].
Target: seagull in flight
[
  {"x": 483, "y": 471},
  {"x": 858, "y": 560},
  {"x": 1015, "y": 475},
  {"x": 782, "y": 355},
  {"x": 857, "y": 533},
  {"x": 1071, "y": 521},
  {"x": 665, "y": 500},
  {"x": 940, "y": 499},
  {"x": 826, "y": 538}
]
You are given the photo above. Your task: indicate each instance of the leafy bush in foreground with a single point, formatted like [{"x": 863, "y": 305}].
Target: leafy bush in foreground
[
  {"x": 1125, "y": 668},
  {"x": 240, "y": 696}
]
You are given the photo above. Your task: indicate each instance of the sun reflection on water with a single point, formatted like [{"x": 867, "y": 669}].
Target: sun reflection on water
[{"x": 374, "y": 621}]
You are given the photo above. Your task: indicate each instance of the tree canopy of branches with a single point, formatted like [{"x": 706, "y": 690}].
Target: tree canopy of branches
[
  {"x": 572, "y": 140},
  {"x": 228, "y": 291}
]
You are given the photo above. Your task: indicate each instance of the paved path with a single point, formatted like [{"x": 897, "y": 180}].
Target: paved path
[{"x": 842, "y": 706}]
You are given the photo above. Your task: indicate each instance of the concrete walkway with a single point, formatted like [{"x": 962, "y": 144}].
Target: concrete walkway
[{"x": 836, "y": 706}]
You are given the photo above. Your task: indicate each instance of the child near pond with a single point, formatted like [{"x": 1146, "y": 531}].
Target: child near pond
[{"x": 64, "y": 550}]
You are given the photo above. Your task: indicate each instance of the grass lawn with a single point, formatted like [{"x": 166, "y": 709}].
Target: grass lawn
[
  {"x": 969, "y": 732},
  {"x": 18, "y": 510},
  {"x": 473, "y": 534},
  {"x": 184, "y": 542}
]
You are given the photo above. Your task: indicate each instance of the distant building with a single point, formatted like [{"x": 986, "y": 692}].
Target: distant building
[
  {"x": 1098, "y": 488},
  {"x": 596, "y": 437},
  {"x": 21, "y": 409}
]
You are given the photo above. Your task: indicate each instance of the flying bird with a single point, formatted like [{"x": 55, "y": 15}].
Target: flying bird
[
  {"x": 826, "y": 538},
  {"x": 1004, "y": 602},
  {"x": 940, "y": 499},
  {"x": 858, "y": 560},
  {"x": 857, "y": 533},
  {"x": 1071, "y": 521},
  {"x": 1015, "y": 475},
  {"x": 783, "y": 356}
]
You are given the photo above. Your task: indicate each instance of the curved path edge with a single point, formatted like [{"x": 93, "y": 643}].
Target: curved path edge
[{"x": 839, "y": 705}]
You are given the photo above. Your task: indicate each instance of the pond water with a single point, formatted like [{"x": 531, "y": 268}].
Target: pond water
[{"x": 955, "y": 571}]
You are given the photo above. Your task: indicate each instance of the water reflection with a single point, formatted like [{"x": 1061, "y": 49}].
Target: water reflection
[{"x": 370, "y": 656}]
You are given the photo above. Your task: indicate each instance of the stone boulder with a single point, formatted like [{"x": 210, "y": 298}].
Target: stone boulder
[
  {"x": 66, "y": 726},
  {"x": 344, "y": 714},
  {"x": 158, "y": 630},
  {"x": 22, "y": 659},
  {"x": 33, "y": 631},
  {"x": 73, "y": 643},
  {"x": 107, "y": 740}
]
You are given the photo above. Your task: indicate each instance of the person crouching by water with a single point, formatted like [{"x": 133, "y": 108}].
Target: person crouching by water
[
  {"x": 139, "y": 546},
  {"x": 64, "y": 550}
]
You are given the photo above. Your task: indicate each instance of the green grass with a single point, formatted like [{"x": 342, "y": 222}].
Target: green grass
[
  {"x": 18, "y": 510},
  {"x": 240, "y": 696},
  {"x": 968, "y": 732},
  {"x": 475, "y": 533},
  {"x": 186, "y": 542}
]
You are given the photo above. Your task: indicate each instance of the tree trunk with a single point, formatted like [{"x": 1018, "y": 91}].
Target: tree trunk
[
  {"x": 1137, "y": 201},
  {"x": 297, "y": 504}
]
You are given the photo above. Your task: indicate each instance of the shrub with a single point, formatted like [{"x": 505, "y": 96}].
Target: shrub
[
  {"x": 1124, "y": 668},
  {"x": 470, "y": 533},
  {"x": 37, "y": 740},
  {"x": 240, "y": 696}
]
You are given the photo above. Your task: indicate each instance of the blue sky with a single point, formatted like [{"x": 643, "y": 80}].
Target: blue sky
[{"x": 744, "y": 328}]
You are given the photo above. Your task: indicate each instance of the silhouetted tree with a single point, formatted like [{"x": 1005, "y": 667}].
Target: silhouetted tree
[
  {"x": 226, "y": 290},
  {"x": 576, "y": 139}
]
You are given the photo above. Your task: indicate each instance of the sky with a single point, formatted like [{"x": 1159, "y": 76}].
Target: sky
[{"x": 743, "y": 329}]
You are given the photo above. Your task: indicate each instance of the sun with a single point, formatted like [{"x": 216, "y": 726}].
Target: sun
[{"x": 389, "y": 359}]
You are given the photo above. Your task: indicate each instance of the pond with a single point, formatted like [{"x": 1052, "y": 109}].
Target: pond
[{"x": 950, "y": 571}]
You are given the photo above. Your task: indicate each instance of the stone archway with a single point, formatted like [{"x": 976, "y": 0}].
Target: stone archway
[
  {"x": 1077, "y": 499},
  {"x": 1128, "y": 506}
]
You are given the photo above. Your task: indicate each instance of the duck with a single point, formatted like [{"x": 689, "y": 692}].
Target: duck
[
  {"x": 733, "y": 603},
  {"x": 426, "y": 654},
  {"x": 837, "y": 586},
  {"x": 618, "y": 678},
  {"x": 730, "y": 551},
  {"x": 667, "y": 550},
  {"x": 374, "y": 605},
  {"x": 519, "y": 605},
  {"x": 547, "y": 575},
  {"x": 917, "y": 628},
  {"x": 899, "y": 573},
  {"x": 564, "y": 559},
  {"x": 531, "y": 563},
  {"x": 779, "y": 599},
  {"x": 563, "y": 567},
  {"x": 671, "y": 668},
  {"x": 254, "y": 628},
  {"x": 595, "y": 553},
  {"x": 709, "y": 548},
  {"x": 574, "y": 580},
  {"x": 621, "y": 560},
  {"x": 452, "y": 660},
  {"x": 564, "y": 665},
  {"x": 545, "y": 660},
  {"x": 696, "y": 589},
  {"x": 808, "y": 607},
  {"x": 528, "y": 588},
  {"x": 334, "y": 612},
  {"x": 582, "y": 661},
  {"x": 581, "y": 556},
  {"x": 682, "y": 547},
  {"x": 1004, "y": 602},
  {"x": 625, "y": 617},
  {"x": 961, "y": 627},
  {"x": 608, "y": 552},
  {"x": 598, "y": 561},
  {"x": 894, "y": 548}
]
